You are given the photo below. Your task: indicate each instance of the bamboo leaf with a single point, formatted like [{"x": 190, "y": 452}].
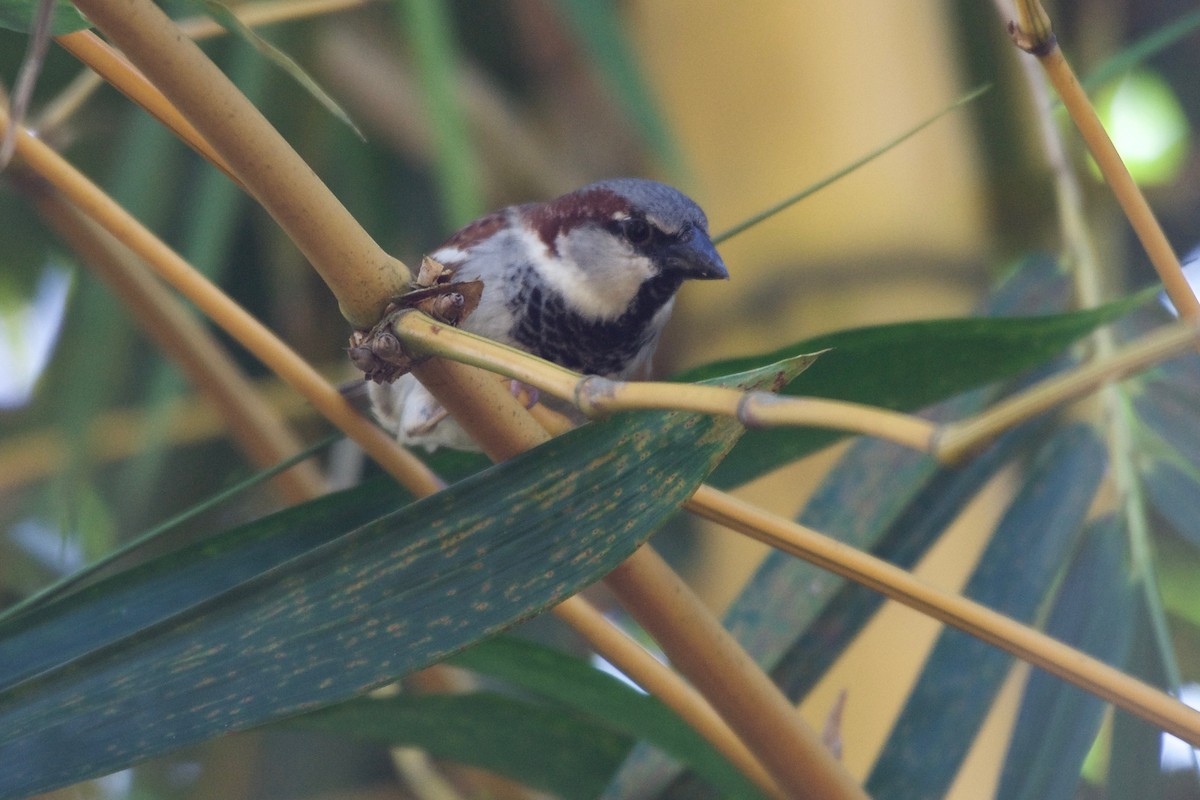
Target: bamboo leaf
[
  {"x": 544, "y": 747},
  {"x": 788, "y": 202},
  {"x": 957, "y": 686},
  {"x": 797, "y": 619},
  {"x": 1057, "y": 722},
  {"x": 568, "y": 737},
  {"x": 1134, "y": 767},
  {"x": 578, "y": 687},
  {"x": 155, "y": 592},
  {"x": 1167, "y": 423},
  {"x": 1141, "y": 50},
  {"x": 373, "y": 602},
  {"x": 17, "y": 15}
]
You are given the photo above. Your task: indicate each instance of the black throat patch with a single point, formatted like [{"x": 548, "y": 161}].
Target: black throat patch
[{"x": 548, "y": 328}]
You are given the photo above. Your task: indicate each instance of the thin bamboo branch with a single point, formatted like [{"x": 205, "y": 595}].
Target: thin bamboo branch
[
  {"x": 359, "y": 273},
  {"x": 254, "y": 425},
  {"x": 1022, "y": 641},
  {"x": 1033, "y": 33},
  {"x": 1113, "y": 404},
  {"x": 251, "y": 333},
  {"x": 113, "y": 67},
  {"x": 792, "y": 751},
  {"x": 955, "y": 440},
  {"x": 598, "y": 397}
]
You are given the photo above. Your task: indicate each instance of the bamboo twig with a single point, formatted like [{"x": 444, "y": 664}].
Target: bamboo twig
[
  {"x": 1032, "y": 32},
  {"x": 949, "y": 442},
  {"x": 598, "y": 397},
  {"x": 113, "y": 67},
  {"x": 1022, "y": 641}
]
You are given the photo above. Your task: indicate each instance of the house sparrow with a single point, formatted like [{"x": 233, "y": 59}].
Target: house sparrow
[{"x": 586, "y": 280}]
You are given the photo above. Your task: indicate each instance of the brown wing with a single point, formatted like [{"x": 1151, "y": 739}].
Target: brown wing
[{"x": 473, "y": 233}]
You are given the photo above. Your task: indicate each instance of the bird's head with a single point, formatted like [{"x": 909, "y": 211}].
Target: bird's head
[{"x": 608, "y": 242}]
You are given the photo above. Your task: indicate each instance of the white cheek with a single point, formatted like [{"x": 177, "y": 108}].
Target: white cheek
[{"x": 598, "y": 276}]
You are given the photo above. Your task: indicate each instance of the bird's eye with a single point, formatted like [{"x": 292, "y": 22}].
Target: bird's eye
[{"x": 637, "y": 231}]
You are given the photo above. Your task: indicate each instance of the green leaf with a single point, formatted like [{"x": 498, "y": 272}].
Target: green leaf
[
  {"x": 903, "y": 367},
  {"x": 17, "y": 15},
  {"x": 153, "y": 541},
  {"x": 1057, "y": 722},
  {"x": 153, "y": 593},
  {"x": 543, "y": 747},
  {"x": 960, "y": 679},
  {"x": 574, "y": 685},
  {"x": 1167, "y": 422},
  {"x": 797, "y": 619},
  {"x": 906, "y": 538},
  {"x": 1134, "y": 766},
  {"x": 88, "y": 693}
]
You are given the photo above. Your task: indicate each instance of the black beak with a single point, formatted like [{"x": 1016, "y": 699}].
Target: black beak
[{"x": 696, "y": 258}]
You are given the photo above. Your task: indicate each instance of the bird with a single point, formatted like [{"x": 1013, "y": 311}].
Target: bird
[{"x": 586, "y": 280}]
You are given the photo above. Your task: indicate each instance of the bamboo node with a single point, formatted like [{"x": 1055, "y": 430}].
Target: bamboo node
[
  {"x": 591, "y": 392},
  {"x": 1032, "y": 31},
  {"x": 379, "y": 353},
  {"x": 750, "y": 404}
]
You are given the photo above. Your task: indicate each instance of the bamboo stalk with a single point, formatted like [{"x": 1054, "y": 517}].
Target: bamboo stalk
[
  {"x": 360, "y": 274},
  {"x": 1033, "y": 33},
  {"x": 1022, "y": 641},
  {"x": 756, "y": 709}
]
